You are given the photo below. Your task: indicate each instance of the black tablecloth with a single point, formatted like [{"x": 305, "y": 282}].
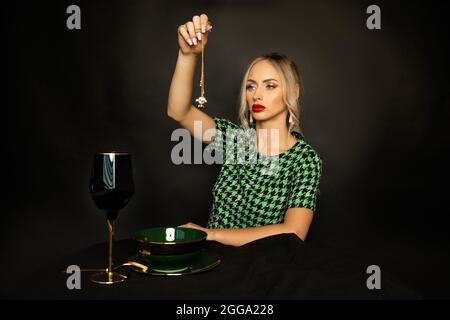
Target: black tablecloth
[{"x": 277, "y": 267}]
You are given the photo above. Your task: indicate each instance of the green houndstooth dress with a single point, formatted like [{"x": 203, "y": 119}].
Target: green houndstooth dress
[{"x": 251, "y": 193}]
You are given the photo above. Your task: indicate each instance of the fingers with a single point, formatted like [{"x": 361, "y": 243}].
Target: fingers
[
  {"x": 186, "y": 224},
  {"x": 190, "y": 225},
  {"x": 182, "y": 30},
  {"x": 196, "y": 20},
  {"x": 192, "y": 31},
  {"x": 203, "y": 22}
]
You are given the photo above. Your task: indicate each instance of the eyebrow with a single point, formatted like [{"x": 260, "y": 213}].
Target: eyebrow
[{"x": 267, "y": 80}]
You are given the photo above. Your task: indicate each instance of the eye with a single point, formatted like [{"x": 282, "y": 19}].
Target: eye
[
  {"x": 271, "y": 86},
  {"x": 249, "y": 87}
]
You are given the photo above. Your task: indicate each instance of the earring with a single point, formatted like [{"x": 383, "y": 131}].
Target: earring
[
  {"x": 251, "y": 119},
  {"x": 291, "y": 119}
]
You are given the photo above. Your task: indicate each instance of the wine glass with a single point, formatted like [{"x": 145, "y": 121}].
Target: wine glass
[{"x": 111, "y": 186}]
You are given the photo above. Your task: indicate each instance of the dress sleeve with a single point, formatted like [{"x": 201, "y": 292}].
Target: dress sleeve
[{"x": 305, "y": 182}]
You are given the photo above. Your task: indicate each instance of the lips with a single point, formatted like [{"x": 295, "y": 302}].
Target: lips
[{"x": 258, "y": 108}]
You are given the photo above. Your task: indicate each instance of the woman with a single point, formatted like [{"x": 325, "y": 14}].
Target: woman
[{"x": 248, "y": 203}]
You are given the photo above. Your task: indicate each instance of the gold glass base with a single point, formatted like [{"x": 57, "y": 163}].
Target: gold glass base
[{"x": 108, "y": 277}]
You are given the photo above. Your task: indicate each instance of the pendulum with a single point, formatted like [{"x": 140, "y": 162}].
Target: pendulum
[{"x": 202, "y": 100}]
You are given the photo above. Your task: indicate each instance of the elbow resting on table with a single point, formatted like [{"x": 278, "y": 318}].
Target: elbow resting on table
[{"x": 297, "y": 231}]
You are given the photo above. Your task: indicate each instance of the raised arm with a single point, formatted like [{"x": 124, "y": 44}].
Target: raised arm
[{"x": 179, "y": 105}]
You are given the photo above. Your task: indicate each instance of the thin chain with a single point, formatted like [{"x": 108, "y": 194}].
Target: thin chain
[
  {"x": 202, "y": 79},
  {"x": 202, "y": 100}
]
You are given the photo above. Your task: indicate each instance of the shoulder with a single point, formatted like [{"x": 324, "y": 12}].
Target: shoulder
[
  {"x": 305, "y": 156},
  {"x": 225, "y": 129},
  {"x": 223, "y": 124}
]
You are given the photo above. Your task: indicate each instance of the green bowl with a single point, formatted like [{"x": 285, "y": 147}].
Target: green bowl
[{"x": 169, "y": 241}]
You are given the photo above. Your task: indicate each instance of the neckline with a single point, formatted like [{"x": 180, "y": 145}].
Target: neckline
[{"x": 299, "y": 138}]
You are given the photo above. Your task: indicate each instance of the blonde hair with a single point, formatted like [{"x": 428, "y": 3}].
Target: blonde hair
[{"x": 290, "y": 77}]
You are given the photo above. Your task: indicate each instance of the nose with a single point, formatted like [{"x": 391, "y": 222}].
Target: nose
[{"x": 257, "y": 96}]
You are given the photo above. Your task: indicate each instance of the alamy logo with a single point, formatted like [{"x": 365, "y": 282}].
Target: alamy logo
[
  {"x": 74, "y": 20},
  {"x": 74, "y": 280},
  {"x": 239, "y": 146},
  {"x": 374, "y": 20},
  {"x": 374, "y": 281}
]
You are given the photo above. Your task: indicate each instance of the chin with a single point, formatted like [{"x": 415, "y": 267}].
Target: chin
[{"x": 261, "y": 116}]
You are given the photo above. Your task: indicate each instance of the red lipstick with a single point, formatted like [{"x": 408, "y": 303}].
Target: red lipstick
[{"x": 258, "y": 107}]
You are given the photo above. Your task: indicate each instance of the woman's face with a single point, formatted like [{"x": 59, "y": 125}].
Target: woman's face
[{"x": 265, "y": 92}]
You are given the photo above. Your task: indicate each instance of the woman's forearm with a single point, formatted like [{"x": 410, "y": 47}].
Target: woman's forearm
[
  {"x": 240, "y": 236},
  {"x": 180, "y": 93}
]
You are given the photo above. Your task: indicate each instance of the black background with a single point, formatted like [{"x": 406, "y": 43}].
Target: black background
[{"x": 376, "y": 108}]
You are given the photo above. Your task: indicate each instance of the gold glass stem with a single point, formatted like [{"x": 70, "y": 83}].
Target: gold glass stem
[
  {"x": 108, "y": 276},
  {"x": 111, "y": 224}
]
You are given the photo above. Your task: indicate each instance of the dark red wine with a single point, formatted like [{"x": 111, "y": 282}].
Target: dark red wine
[{"x": 111, "y": 201}]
